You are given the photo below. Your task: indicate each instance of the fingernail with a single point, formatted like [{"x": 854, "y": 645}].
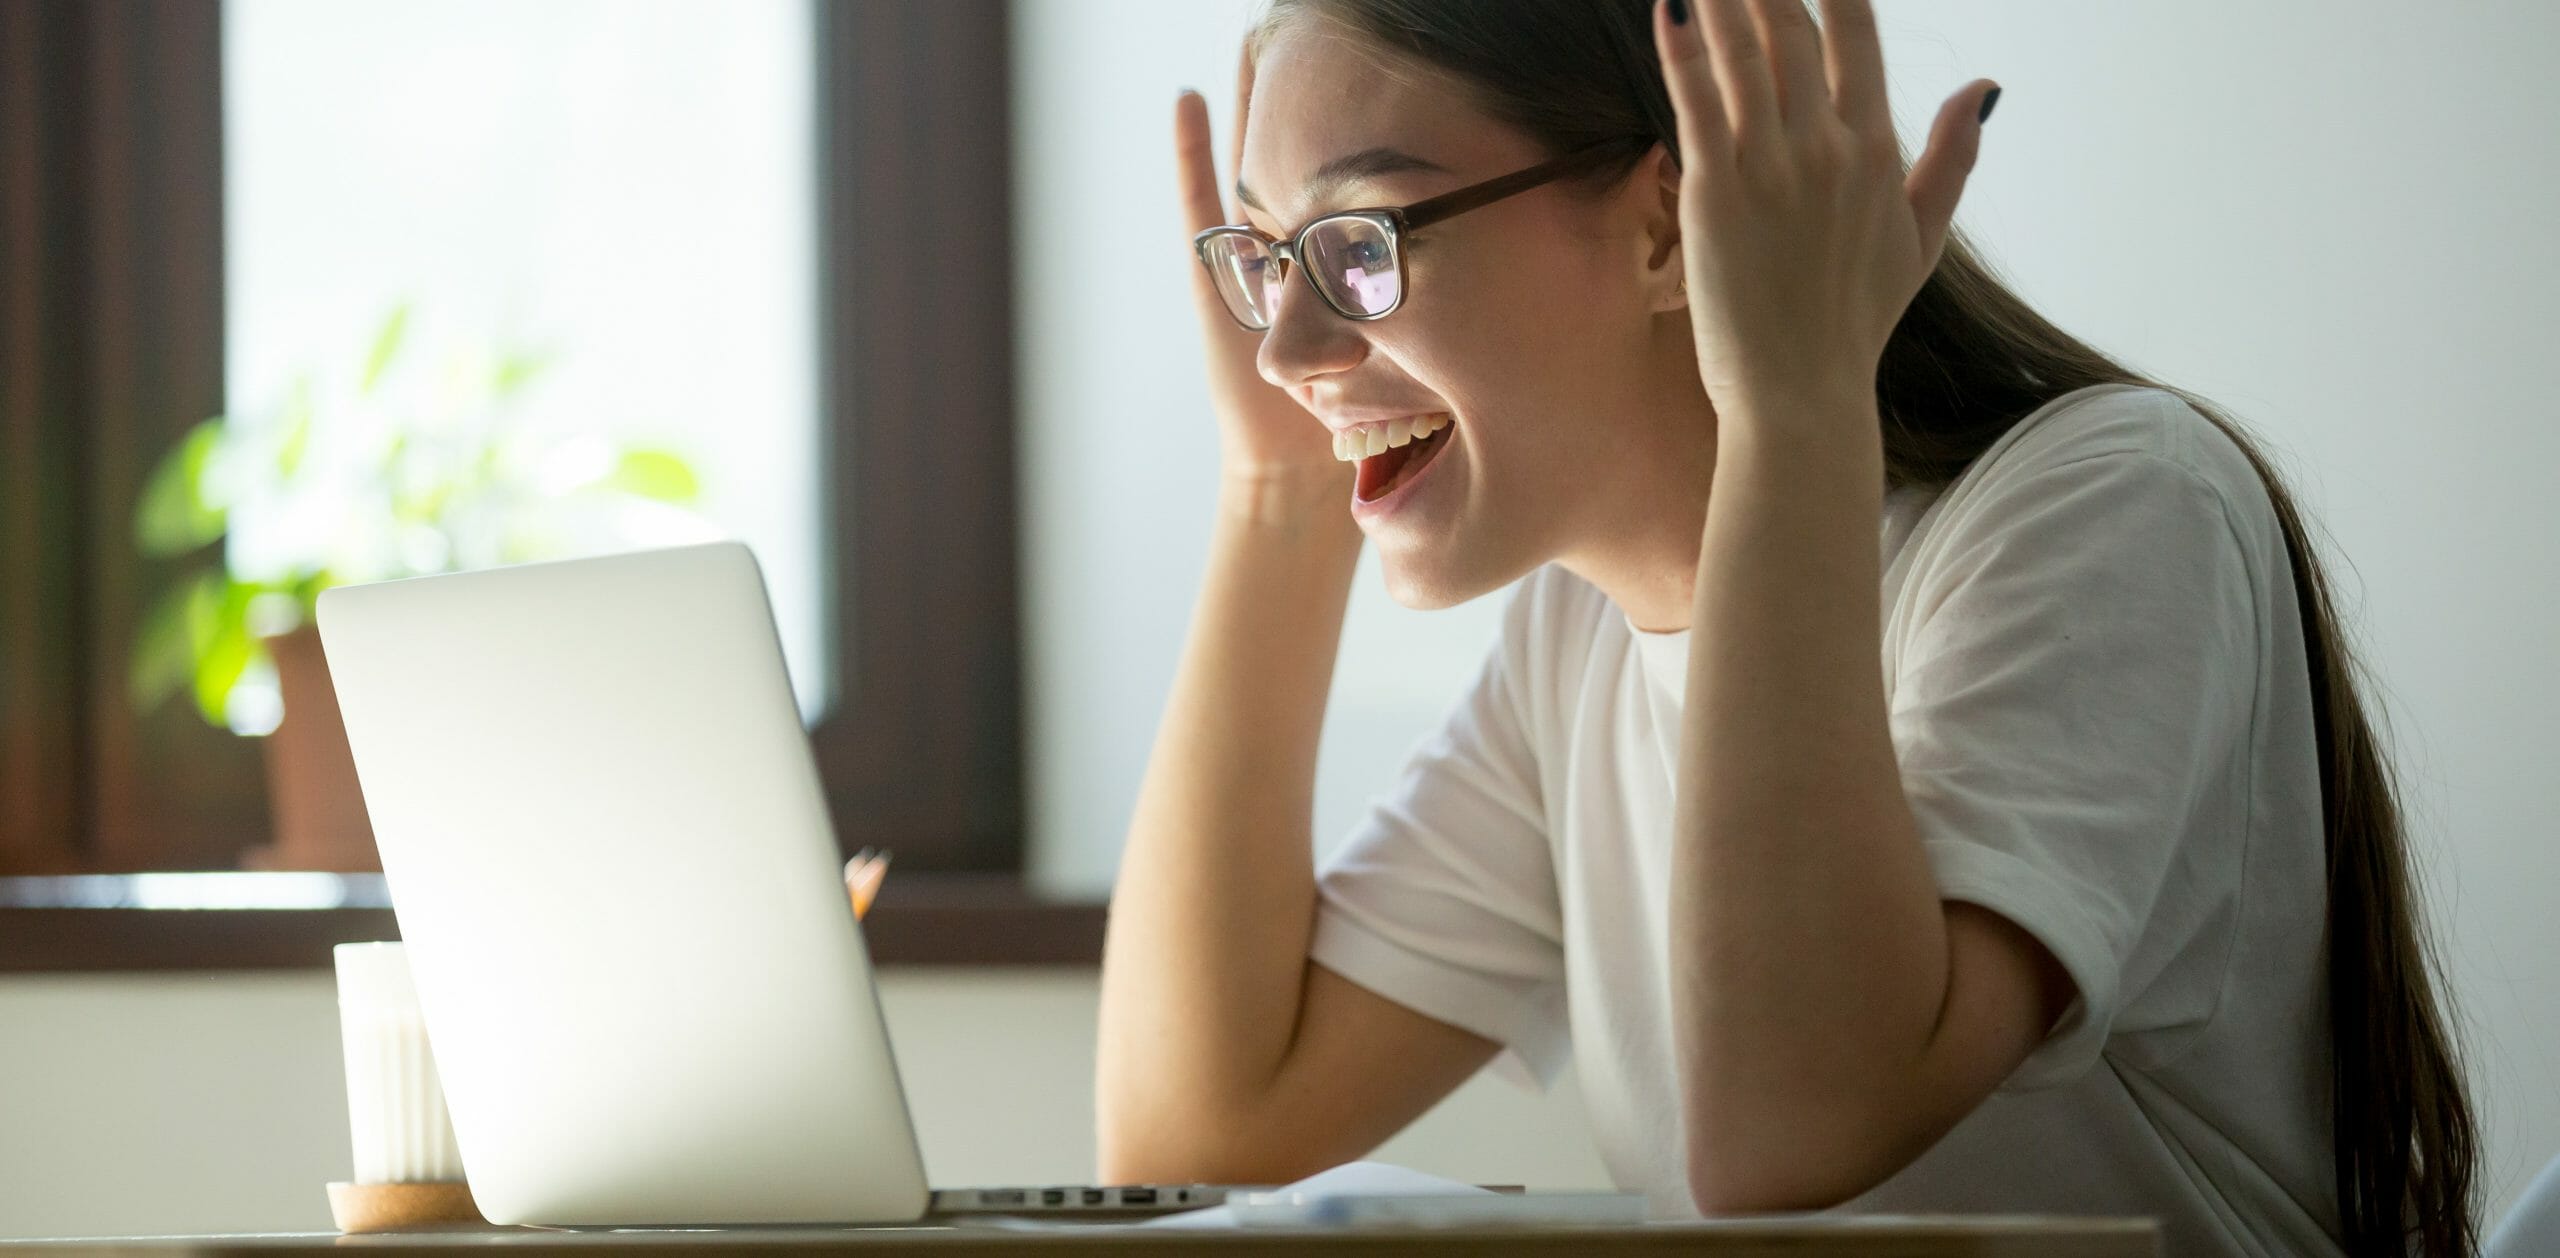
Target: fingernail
[
  {"x": 1679, "y": 12},
  {"x": 1989, "y": 99}
]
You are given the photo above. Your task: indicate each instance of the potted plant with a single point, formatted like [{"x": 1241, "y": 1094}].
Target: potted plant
[{"x": 365, "y": 475}]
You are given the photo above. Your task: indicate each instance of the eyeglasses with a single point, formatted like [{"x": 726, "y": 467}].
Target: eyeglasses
[{"x": 1354, "y": 259}]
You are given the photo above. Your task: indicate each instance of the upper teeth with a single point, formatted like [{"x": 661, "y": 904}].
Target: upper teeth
[{"x": 1353, "y": 444}]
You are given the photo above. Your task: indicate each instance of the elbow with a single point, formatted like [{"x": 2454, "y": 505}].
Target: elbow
[
  {"x": 1138, "y": 1144},
  {"x": 1178, "y": 1145},
  {"x": 1723, "y": 1185},
  {"x": 1113, "y": 1155},
  {"x": 1146, "y": 1126},
  {"x": 1724, "y": 1193},
  {"x": 1734, "y": 1185},
  {"x": 1197, "y": 1161},
  {"x": 1128, "y": 1150},
  {"x": 1117, "y": 1160},
  {"x": 1812, "y": 1156}
]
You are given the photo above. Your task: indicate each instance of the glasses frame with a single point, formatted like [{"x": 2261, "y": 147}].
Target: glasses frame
[{"x": 1398, "y": 222}]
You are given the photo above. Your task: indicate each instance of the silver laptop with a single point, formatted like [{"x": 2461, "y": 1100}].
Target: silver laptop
[{"x": 610, "y": 856}]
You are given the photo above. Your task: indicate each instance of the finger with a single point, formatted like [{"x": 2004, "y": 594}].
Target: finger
[
  {"x": 1742, "y": 65},
  {"x": 1937, "y": 180},
  {"x": 1196, "y": 179},
  {"x": 1244, "y": 97},
  {"x": 1194, "y": 167},
  {"x": 1795, "y": 53},
  {"x": 1696, "y": 106},
  {"x": 1854, "y": 55}
]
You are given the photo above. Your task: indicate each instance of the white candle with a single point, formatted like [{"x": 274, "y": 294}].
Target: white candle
[{"x": 395, "y": 1104}]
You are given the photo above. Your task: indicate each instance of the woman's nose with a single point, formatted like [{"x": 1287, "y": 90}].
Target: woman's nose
[{"x": 1306, "y": 338}]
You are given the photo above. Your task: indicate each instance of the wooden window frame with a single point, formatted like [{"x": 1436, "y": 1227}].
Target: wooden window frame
[{"x": 111, "y": 344}]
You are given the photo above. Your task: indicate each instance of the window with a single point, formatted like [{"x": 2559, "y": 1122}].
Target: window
[
  {"x": 118, "y": 324},
  {"x": 623, "y": 192}
]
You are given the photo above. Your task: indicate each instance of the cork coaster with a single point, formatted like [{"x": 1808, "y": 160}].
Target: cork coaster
[{"x": 418, "y": 1207}]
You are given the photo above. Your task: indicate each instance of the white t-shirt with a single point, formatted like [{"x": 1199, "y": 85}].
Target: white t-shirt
[{"x": 2099, "y": 702}]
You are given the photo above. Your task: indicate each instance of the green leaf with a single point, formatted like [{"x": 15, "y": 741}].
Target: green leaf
[
  {"x": 297, "y": 429},
  {"x": 659, "y": 474},
  {"x": 173, "y": 517},
  {"x": 307, "y": 587},
  {"x": 516, "y": 369},
  {"x": 223, "y": 649},
  {"x": 217, "y": 673},
  {"x": 385, "y": 343},
  {"x": 164, "y": 652}
]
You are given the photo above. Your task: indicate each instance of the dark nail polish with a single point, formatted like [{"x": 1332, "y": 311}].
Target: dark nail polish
[
  {"x": 1989, "y": 99},
  {"x": 1679, "y": 12}
]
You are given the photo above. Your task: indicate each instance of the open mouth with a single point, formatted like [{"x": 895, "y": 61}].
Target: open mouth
[{"x": 1389, "y": 469}]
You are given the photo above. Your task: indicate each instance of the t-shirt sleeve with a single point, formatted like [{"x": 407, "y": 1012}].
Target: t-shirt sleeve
[
  {"x": 2080, "y": 677},
  {"x": 1443, "y": 898}
]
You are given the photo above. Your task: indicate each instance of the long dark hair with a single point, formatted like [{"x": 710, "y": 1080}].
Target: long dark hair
[{"x": 1966, "y": 363}]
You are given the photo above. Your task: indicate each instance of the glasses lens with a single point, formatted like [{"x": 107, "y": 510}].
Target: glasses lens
[
  {"x": 1246, "y": 276},
  {"x": 1355, "y": 260}
]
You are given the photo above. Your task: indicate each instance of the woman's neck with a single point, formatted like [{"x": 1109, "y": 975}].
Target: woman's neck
[{"x": 1650, "y": 572}]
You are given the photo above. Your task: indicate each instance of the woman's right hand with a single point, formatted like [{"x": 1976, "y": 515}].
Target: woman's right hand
[{"x": 1263, "y": 431}]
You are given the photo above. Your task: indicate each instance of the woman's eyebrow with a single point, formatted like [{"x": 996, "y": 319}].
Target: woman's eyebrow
[{"x": 1368, "y": 163}]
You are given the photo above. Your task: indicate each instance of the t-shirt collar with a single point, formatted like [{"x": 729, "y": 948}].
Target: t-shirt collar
[{"x": 1664, "y": 656}]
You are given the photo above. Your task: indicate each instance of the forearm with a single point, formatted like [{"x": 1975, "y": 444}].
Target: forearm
[
  {"x": 1204, "y": 962},
  {"x": 1803, "y": 904}
]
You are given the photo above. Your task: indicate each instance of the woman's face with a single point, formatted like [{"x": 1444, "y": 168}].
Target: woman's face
[{"x": 1544, "y": 326}]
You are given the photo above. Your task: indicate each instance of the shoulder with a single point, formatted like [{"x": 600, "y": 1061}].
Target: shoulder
[{"x": 2117, "y": 455}]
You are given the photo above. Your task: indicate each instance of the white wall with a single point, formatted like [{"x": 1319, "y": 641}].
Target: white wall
[{"x": 2337, "y": 218}]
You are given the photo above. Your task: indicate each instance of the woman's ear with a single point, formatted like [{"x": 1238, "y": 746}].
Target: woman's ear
[{"x": 1666, "y": 269}]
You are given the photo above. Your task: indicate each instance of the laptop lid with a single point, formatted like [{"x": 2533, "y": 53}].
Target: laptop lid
[{"x": 610, "y": 856}]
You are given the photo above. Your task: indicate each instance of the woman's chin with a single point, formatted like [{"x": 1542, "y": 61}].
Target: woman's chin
[{"x": 1417, "y": 583}]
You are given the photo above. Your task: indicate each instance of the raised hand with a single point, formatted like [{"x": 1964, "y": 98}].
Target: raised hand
[
  {"x": 1261, "y": 428},
  {"x": 1803, "y": 240}
]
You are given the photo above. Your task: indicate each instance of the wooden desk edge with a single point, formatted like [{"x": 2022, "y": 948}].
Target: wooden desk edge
[{"x": 2008, "y": 1236}]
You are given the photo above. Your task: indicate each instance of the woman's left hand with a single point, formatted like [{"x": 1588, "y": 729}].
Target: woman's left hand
[{"x": 1802, "y": 239}]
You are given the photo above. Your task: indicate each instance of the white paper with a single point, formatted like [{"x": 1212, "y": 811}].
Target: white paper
[{"x": 1367, "y": 1179}]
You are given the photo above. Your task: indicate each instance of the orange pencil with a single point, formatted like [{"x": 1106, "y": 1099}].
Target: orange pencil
[{"x": 863, "y": 876}]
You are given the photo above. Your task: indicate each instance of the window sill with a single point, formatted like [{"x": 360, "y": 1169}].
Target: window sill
[{"x": 236, "y": 921}]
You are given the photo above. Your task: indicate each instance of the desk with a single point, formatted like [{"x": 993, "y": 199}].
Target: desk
[{"x": 1951, "y": 1237}]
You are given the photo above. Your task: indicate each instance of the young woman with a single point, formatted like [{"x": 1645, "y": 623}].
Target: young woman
[{"x": 2091, "y": 898}]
